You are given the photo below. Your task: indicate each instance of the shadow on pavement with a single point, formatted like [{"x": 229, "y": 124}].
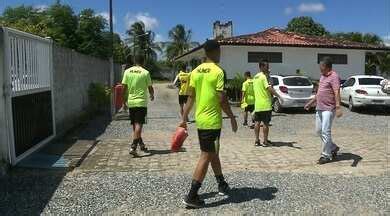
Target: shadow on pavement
[
  {"x": 29, "y": 186},
  {"x": 151, "y": 152},
  {"x": 278, "y": 114},
  {"x": 380, "y": 111},
  {"x": 28, "y": 191},
  {"x": 284, "y": 144},
  {"x": 297, "y": 111},
  {"x": 349, "y": 156},
  {"x": 68, "y": 151},
  {"x": 244, "y": 194}
]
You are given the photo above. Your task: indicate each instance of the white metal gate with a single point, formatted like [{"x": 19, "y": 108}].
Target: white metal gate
[{"x": 28, "y": 90}]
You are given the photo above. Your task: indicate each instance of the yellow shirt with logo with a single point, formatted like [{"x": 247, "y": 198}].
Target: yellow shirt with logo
[
  {"x": 263, "y": 98},
  {"x": 249, "y": 97},
  {"x": 184, "y": 79},
  {"x": 137, "y": 80},
  {"x": 208, "y": 80}
]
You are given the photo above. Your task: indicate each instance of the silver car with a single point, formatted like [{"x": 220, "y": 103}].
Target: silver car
[{"x": 295, "y": 91}]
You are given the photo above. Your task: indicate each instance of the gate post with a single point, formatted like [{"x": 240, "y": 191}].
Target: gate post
[
  {"x": 6, "y": 111},
  {"x": 3, "y": 133}
]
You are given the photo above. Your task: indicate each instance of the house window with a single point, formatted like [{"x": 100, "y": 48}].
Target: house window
[
  {"x": 336, "y": 58},
  {"x": 272, "y": 57}
]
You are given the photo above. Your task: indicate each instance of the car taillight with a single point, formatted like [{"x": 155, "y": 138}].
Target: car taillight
[
  {"x": 359, "y": 91},
  {"x": 283, "y": 89}
]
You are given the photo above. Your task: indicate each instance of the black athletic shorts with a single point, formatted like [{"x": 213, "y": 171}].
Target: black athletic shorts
[
  {"x": 250, "y": 108},
  {"x": 209, "y": 139},
  {"x": 183, "y": 99},
  {"x": 138, "y": 115},
  {"x": 263, "y": 116}
]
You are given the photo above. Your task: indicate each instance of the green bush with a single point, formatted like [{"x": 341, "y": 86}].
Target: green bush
[{"x": 99, "y": 97}]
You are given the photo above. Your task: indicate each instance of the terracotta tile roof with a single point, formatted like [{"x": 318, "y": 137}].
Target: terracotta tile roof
[{"x": 277, "y": 37}]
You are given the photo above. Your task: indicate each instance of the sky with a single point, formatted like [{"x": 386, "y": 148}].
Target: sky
[{"x": 248, "y": 16}]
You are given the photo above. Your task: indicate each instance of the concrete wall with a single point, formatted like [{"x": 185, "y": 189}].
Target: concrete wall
[
  {"x": 73, "y": 73},
  {"x": 234, "y": 59}
]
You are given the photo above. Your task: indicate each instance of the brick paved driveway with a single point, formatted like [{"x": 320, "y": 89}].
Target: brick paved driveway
[{"x": 363, "y": 151}]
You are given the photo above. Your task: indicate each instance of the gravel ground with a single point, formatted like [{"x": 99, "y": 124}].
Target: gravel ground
[{"x": 146, "y": 193}]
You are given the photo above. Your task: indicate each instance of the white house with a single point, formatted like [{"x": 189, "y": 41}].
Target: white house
[{"x": 288, "y": 52}]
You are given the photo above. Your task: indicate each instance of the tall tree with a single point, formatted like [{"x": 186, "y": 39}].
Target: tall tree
[
  {"x": 122, "y": 53},
  {"x": 306, "y": 25},
  {"x": 180, "y": 42},
  {"x": 25, "y": 18},
  {"x": 86, "y": 32},
  {"x": 62, "y": 25},
  {"x": 90, "y": 34},
  {"x": 141, "y": 42},
  {"x": 359, "y": 37}
]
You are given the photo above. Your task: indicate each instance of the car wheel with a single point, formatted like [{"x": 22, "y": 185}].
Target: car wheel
[
  {"x": 277, "y": 107},
  {"x": 351, "y": 107}
]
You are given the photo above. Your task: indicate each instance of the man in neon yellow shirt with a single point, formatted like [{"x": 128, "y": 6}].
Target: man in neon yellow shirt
[
  {"x": 184, "y": 79},
  {"x": 137, "y": 83},
  {"x": 263, "y": 102},
  {"x": 247, "y": 97},
  {"x": 207, "y": 89}
]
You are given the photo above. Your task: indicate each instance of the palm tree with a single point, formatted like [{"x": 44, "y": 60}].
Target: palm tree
[
  {"x": 372, "y": 39},
  {"x": 368, "y": 38},
  {"x": 384, "y": 62},
  {"x": 380, "y": 61},
  {"x": 141, "y": 42},
  {"x": 180, "y": 42}
]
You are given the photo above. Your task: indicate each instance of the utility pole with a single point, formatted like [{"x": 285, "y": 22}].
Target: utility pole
[{"x": 112, "y": 108}]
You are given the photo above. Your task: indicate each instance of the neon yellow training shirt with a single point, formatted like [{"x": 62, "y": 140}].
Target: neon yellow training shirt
[
  {"x": 263, "y": 98},
  {"x": 184, "y": 79},
  {"x": 247, "y": 87},
  {"x": 137, "y": 80},
  {"x": 208, "y": 80}
]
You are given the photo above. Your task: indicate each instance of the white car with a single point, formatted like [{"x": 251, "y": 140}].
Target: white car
[
  {"x": 364, "y": 90},
  {"x": 295, "y": 91}
]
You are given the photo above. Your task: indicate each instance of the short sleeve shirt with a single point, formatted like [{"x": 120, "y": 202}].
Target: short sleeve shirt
[
  {"x": 184, "y": 79},
  {"x": 263, "y": 98},
  {"x": 247, "y": 87},
  {"x": 137, "y": 80},
  {"x": 326, "y": 99},
  {"x": 208, "y": 80}
]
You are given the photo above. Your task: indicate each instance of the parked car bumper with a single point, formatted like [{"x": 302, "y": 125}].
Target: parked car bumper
[
  {"x": 371, "y": 100},
  {"x": 295, "y": 102}
]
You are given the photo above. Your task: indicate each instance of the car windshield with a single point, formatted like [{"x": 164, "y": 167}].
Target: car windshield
[
  {"x": 297, "y": 81},
  {"x": 370, "y": 81},
  {"x": 275, "y": 81}
]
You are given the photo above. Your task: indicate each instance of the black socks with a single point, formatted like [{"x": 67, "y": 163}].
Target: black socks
[
  {"x": 220, "y": 179},
  {"x": 136, "y": 142},
  {"x": 195, "y": 185}
]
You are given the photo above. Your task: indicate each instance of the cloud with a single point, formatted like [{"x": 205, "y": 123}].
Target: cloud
[
  {"x": 149, "y": 21},
  {"x": 159, "y": 38},
  {"x": 386, "y": 40},
  {"x": 288, "y": 10},
  {"x": 123, "y": 35},
  {"x": 106, "y": 16},
  {"x": 311, "y": 7},
  {"x": 41, "y": 8}
]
